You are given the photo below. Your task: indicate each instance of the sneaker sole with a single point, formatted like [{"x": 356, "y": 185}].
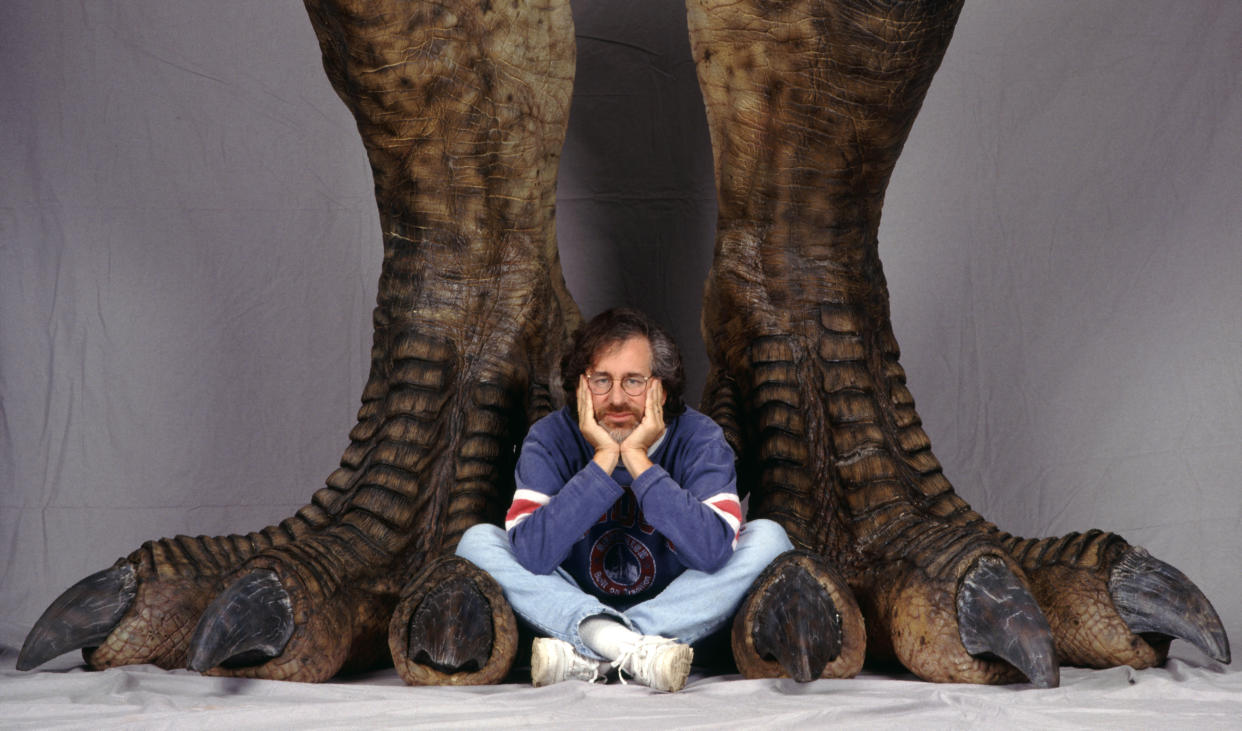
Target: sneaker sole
[
  {"x": 678, "y": 667},
  {"x": 540, "y": 672}
]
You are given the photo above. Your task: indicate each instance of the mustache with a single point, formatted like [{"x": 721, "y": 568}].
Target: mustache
[{"x": 621, "y": 410}]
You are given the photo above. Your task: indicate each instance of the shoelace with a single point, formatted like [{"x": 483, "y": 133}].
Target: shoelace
[
  {"x": 639, "y": 649},
  {"x": 596, "y": 675}
]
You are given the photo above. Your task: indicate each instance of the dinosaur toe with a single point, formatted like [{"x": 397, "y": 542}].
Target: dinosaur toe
[
  {"x": 83, "y": 616},
  {"x": 1152, "y": 596},
  {"x": 453, "y": 626},
  {"x": 797, "y": 625},
  {"x": 250, "y": 623},
  {"x": 800, "y": 621},
  {"x": 975, "y": 619},
  {"x": 998, "y": 616},
  {"x": 1110, "y": 603},
  {"x": 451, "y": 631}
]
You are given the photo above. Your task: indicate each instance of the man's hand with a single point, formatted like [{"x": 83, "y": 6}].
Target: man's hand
[
  {"x": 607, "y": 451},
  {"x": 634, "y": 448}
]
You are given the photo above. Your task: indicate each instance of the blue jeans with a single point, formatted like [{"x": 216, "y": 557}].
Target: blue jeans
[{"x": 693, "y": 606}]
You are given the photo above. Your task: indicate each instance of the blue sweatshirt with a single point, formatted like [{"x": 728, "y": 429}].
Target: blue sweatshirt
[{"x": 623, "y": 539}]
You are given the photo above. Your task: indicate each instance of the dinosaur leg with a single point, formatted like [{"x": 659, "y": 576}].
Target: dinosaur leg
[
  {"x": 809, "y": 104},
  {"x": 462, "y": 108}
]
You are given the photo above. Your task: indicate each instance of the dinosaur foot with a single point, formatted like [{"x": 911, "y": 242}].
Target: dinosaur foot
[
  {"x": 453, "y": 626},
  {"x": 799, "y": 621}
]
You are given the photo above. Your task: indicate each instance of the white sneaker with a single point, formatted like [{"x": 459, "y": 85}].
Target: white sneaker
[
  {"x": 553, "y": 660},
  {"x": 657, "y": 662}
]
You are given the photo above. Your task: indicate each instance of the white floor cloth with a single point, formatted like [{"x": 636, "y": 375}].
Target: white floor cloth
[{"x": 1189, "y": 692}]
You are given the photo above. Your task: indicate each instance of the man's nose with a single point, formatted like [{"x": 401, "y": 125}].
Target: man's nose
[{"x": 616, "y": 395}]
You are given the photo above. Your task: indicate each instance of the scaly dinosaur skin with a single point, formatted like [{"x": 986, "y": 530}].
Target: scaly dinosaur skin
[
  {"x": 462, "y": 108},
  {"x": 809, "y": 104}
]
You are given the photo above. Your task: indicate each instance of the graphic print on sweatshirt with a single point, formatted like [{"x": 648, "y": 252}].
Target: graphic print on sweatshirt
[{"x": 621, "y": 563}]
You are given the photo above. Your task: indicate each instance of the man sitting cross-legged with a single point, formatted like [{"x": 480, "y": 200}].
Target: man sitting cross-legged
[{"x": 624, "y": 541}]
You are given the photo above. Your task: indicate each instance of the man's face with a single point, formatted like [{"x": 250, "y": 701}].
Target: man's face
[{"x": 617, "y": 411}]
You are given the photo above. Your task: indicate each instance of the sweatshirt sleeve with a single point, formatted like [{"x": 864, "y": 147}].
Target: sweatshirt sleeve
[
  {"x": 553, "y": 507},
  {"x": 700, "y": 516}
]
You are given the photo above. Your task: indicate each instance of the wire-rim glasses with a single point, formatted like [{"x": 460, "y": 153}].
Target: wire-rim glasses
[{"x": 601, "y": 383}]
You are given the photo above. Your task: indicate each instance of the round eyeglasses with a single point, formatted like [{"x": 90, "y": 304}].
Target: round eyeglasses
[{"x": 601, "y": 383}]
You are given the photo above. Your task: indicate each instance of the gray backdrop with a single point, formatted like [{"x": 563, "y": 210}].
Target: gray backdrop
[{"x": 189, "y": 251}]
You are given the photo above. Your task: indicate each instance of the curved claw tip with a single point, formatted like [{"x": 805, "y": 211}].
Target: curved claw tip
[
  {"x": 997, "y": 615},
  {"x": 1152, "y": 596},
  {"x": 83, "y": 616},
  {"x": 248, "y": 624},
  {"x": 451, "y": 631},
  {"x": 798, "y": 626}
]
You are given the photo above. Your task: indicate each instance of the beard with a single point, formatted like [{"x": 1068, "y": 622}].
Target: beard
[{"x": 618, "y": 433}]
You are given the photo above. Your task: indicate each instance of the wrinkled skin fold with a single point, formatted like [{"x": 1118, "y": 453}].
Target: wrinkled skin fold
[{"x": 462, "y": 108}]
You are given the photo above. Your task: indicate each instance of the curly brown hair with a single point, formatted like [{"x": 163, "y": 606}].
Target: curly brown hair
[{"x": 613, "y": 327}]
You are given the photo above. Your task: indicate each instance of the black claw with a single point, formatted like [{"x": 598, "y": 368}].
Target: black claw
[
  {"x": 248, "y": 624},
  {"x": 798, "y": 626},
  {"x": 83, "y": 616},
  {"x": 451, "y": 631},
  {"x": 997, "y": 616},
  {"x": 1152, "y": 596}
]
